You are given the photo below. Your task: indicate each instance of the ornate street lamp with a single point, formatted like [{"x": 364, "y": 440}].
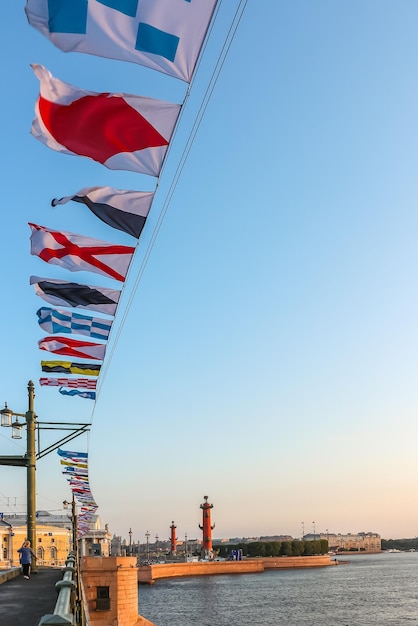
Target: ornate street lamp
[{"x": 6, "y": 416}]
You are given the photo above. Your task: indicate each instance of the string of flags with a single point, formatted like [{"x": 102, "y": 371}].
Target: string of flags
[
  {"x": 122, "y": 132},
  {"x": 76, "y": 472}
]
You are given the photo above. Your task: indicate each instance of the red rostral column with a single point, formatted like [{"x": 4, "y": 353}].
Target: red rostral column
[
  {"x": 173, "y": 539},
  {"x": 207, "y": 552}
]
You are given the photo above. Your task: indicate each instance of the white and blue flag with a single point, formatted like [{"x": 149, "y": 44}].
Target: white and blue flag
[
  {"x": 58, "y": 321},
  {"x": 164, "y": 35},
  {"x": 89, "y": 395}
]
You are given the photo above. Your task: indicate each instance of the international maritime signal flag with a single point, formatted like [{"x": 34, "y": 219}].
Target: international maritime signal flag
[
  {"x": 73, "y": 347},
  {"x": 78, "y": 253},
  {"x": 121, "y": 209},
  {"x": 74, "y": 383},
  {"x": 64, "y": 293},
  {"x": 120, "y": 131},
  {"x": 66, "y": 367},
  {"x": 90, "y": 395},
  {"x": 58, "y": 321},
  {"x": 164, "y": 35}
]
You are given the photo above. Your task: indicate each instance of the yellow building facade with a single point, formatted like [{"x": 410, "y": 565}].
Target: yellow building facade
[
  {"x": 52, "y": 544},
  {"x": 361, "y": 542}
]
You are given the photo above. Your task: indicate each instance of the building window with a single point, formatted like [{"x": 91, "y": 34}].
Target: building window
[
  {"x": 5, "y": 554},
  {"x": 53, "y": 553},
  {"x": 102, "y": 599},
  {"x": 39, "y": 540},
  {"x": 40, "y": 553},
  {"x": 52, "y": 540}
]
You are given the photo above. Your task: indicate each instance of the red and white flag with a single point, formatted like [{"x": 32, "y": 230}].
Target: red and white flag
[
  {"x": 78, "y": 253},
  {"x": 121, "y": 131},
  {"x": 74, "y": 383},
  {"x": 73, "y": 347}
]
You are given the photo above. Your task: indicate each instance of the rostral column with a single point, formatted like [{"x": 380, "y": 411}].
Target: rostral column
[
  {"x": 207, "y": 552},
  {"x": 173, "y": 539}
]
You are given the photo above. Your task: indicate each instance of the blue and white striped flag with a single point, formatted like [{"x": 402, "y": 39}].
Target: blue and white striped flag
[
  {"x": 58, "y": 321},
  {"x": 73, "y": 456},
  {"x": 90, "y": 395},
  {"x": 164, "y": 35}
]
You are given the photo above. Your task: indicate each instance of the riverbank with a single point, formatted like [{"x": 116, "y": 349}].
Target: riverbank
[{"x": 148, "y": 574}]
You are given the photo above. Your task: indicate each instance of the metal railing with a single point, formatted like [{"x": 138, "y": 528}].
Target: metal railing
[{"x": 69, "y": 607}]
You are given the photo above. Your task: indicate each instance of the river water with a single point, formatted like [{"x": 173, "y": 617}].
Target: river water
[{"x": 364, "y": 590}]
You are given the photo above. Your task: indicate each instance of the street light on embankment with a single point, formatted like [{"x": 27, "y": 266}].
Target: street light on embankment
[{"x": 28, "y": 460}]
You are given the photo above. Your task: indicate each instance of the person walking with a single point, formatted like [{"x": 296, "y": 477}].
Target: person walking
[{"x": 26, "y": 554}]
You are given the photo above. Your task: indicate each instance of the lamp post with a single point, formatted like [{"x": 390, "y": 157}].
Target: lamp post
[
  {"x": 314, "y": 533},
  {"x": 29, "y": 459},
  {"x": 130, "y": 541},
  {"x": 147, "y": 536},
  {"x": 74, "y": 528},
  {"x": 303, "y": 529},
  {"x": 74, "y": 523}
]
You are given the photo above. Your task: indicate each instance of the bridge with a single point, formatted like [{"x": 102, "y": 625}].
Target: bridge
[
  {"x": 24, "y": 602},
  {"x": 91, "y": 591}
]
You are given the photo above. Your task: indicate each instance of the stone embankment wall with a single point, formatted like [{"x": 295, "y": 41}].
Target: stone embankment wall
[
  {"x": 6, "y": 575},
  {"x": 291, "y": 562},
  {"x": 119, "y": 576},
  {"x": 148, "y": 574}
]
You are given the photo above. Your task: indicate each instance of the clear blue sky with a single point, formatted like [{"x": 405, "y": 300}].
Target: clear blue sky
[{"x": 268, "y": 356}]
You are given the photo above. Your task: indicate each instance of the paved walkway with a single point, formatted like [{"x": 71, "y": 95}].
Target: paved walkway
[{"x": 23, "y": 602}]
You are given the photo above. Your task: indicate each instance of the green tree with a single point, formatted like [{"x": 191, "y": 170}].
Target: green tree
[
  {"x": 297, "y": 547},
  {"x": 324, "y": 546},
  {"x": 272, "y": 548},
  {"x": 286, "y": 548},
  {"x": 256, "y": 548}
]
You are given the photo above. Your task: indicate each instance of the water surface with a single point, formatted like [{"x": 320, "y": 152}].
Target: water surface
[{"x": 370, "y": 590}]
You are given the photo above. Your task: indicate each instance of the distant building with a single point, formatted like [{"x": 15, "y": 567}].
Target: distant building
[
  {"x": 191, "y": 546},
  {"x": 116, "y": 546},
  {"x": 52, "y": 544},
  {"x": 360, "y": 542},
  {"x": 53, "y": 538}
]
